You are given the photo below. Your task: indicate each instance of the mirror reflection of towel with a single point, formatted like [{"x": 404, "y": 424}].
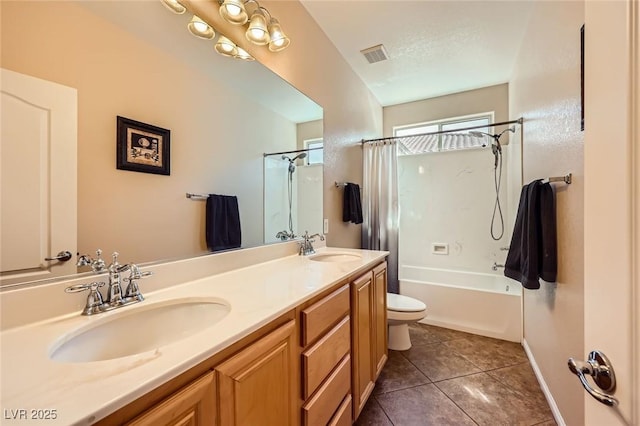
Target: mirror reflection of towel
[
  {"x": 222, "y": 230},
  {"x": 352, "y": 205},
  {"x": 533, "y": 249}
]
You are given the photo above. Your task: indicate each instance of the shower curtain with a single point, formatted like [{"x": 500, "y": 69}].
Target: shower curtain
[{"x": 380, "y": 204}]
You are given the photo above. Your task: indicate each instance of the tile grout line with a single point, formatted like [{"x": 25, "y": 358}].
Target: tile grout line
[
  {"x": 383, "y": 410},
  {"x": 455, "y": 403}
]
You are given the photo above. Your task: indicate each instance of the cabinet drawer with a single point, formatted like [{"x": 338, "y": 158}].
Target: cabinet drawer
[
  {"x": 320, "y": 316},
  {"x": 320, "y": 409},
  {"x": 321, "y": 358},
  {"x": 343, "y": 415}
]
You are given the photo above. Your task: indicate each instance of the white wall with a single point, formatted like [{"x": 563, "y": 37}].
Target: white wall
[{"x": 545, "y": 90}]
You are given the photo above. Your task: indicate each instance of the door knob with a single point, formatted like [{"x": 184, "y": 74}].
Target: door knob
[
  {"x": 599, "y": 367},
  {"x": 63, "y": 256}
]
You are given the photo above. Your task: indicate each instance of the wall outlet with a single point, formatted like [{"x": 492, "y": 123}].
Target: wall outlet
[
  {"x": 325, "y": 226},
  {"x": 440, "y": 248}
]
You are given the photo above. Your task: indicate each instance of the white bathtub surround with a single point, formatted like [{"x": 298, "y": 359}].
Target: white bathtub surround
[
  {"x": 83, "y": 393},
  {"x": 447, "y": 199},
  {"x": 485, "y": 304}
]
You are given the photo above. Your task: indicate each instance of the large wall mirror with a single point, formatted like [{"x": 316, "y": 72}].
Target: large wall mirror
[{"x": 137, "y": 60}]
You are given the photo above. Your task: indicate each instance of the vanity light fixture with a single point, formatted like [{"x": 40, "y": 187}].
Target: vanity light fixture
[
  {"x": 263, "y": 28},
  {"x": 200, "y": 29},
  {"x": 174, "y": 6},
  {"x": 234, "y": 12},
  {"x": 278, "y": 40},
  {"x": 257, "y": 33},
  {"x": 226, "y": 47}
]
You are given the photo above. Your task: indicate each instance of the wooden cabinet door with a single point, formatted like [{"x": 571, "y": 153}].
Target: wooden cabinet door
[
  {"x": 380, "y": 351},
  {"x": 194, "y": 405},
  {"x": 256, "y": 386},
  {"x": 362, "y": 298}
]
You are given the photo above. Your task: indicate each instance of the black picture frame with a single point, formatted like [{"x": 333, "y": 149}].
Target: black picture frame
[
  {"x": 142, "y": 147},
  {"x": 582, "y": 78}
]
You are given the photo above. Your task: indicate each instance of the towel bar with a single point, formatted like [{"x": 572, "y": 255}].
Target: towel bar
[
  {"x": 566, "y": 179},
  {"x": 197, "y": 196}
]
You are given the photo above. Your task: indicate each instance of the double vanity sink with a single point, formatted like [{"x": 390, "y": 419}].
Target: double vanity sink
[{"x": 86, "y": 367}]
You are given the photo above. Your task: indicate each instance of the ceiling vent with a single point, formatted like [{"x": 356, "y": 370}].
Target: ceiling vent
[{"x": 375, "y": 54}]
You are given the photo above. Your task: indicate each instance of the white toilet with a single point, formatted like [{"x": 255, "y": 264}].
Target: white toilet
[{"x": 401, "y": 311}]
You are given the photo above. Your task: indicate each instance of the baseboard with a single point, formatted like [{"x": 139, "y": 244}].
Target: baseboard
[{"x": 545, "y": 389}]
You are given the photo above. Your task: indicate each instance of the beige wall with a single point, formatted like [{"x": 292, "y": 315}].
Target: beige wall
[
  {"x": 144, "y": 216},
  {"x": 486, "y": 99},
  {"x": 545, "y": 90},
  {"x": 314, "y": 66},
  {"x": 308, "y": 130}
]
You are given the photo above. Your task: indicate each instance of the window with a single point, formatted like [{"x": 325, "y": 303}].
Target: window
[
  {"x": 316, "y": 152},
  {"x": 446, "y": 124}
]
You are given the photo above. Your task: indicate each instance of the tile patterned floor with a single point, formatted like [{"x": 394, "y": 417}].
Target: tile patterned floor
[{"x": 454, "y": 378}]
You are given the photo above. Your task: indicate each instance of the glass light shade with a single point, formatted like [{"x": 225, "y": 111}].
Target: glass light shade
[
  {"x": 234, "y": 12},
  {"x": 174, "y": 6},
  {"x": 278, "y": 39},
  {"x": 200, "y": 29},
  {"x": 244, "y": 55},
  {"x": 226, "y": 47},
  {"x": 257, "y": 32}
]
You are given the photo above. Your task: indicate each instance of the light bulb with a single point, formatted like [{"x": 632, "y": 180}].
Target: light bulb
[
  {"x": 233, "y": 9},
  {"x": 234, "y": 12},
  {"x": 200, "y": 29}
]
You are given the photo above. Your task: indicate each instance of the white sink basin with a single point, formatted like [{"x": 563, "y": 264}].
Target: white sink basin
[
  {"x": 141, "y": 329},
  {"x": 335, "y": 257}
]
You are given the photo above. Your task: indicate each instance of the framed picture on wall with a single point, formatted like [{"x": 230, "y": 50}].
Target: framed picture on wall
[{"x": 142, "y": 147}]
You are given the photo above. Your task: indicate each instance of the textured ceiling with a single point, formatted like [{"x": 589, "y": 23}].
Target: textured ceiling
[{"x": 434, "y": 47}]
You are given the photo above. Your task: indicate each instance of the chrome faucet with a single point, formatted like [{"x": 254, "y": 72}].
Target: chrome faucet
[
  {"x": 97, "y": 264},
  {"x": 114, "y": 292},
  {"x": 114, "y": 298},
  {"x": 306, "y": 246},
  {"x": 285, "y": 235},
  {"x": 496, "y": 265}
]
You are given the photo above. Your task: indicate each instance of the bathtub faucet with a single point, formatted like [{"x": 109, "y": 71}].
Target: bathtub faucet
[{"x": 496, "y": 266}]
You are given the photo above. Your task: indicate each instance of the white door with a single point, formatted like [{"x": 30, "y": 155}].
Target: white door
[
  {"x": 612, "y": 202},
  {"x": 38, "y": 188}
]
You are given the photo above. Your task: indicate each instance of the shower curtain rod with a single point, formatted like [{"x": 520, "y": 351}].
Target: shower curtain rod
[
  {"x": 266, "y": 154},
  {"x": 518, "y": 121}
]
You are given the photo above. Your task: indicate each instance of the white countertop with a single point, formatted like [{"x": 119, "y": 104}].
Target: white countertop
[{"x": 82, "y": 393}]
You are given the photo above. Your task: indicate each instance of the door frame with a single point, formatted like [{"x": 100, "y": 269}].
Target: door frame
[{"x": 612, "y": 201}]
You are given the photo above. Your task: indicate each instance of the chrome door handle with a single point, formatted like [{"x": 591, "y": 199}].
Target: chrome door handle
[
  {"x": 599, "y": 367},
  {"x": 63, "y": 256}
]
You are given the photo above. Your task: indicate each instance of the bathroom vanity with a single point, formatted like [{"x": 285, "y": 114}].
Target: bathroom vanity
[{"x": 302, "y": 341}]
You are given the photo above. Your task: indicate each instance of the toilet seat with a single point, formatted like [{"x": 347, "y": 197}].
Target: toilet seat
[{"x": 404, "y": 309}]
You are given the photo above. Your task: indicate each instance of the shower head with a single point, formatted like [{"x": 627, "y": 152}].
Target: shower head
[
  {"x": 299, "y": 156},
  {"x": 292, "y": 166}
]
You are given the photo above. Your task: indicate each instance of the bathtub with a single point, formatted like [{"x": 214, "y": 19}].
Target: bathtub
[{"x": 485, "y": 304}]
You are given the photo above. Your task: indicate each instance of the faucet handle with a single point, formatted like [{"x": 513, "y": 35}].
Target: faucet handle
[
  {"x": 133, "y": 291},
  {"x": 94, "y": 299}
]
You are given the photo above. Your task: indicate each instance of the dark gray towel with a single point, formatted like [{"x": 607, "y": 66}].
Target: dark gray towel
[
  {"x": 533, "y": 249},
  {"x": 351, "y": 204},
  {"x": 222, "y": 228}
]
